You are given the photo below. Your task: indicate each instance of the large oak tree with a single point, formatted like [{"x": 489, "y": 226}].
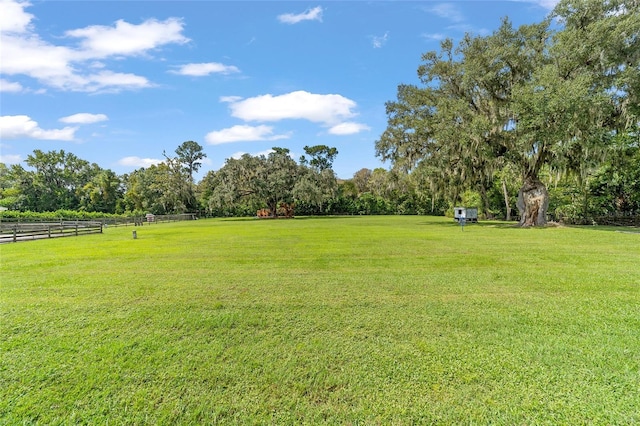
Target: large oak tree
[
  {"x": 545, "y": 95},
  {"x": 261, "y": 181}
]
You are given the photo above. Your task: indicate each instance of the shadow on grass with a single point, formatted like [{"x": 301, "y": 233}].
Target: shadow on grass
[
  {"x": 480, "y": 224},
  {"x": 608, "y": 228},
  {"x": 327, "y": 217},
  {"x": 253, "y": 218},
  {"x": 448, "y": 222}
]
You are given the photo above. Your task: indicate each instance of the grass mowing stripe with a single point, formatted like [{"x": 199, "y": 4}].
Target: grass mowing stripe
[{"x": 322, "y": 320}]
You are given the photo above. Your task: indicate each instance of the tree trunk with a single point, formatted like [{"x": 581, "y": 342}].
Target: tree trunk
[
  {"x": 533, "y": 202},
  {"x": 506, "y": 200},
  {"x": 273, "y": 208},
  {"x": 485, "y": 203}
]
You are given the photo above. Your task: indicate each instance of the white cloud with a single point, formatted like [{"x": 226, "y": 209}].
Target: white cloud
[
  {"x": 434, "y": 36},
  {"x": 448, "y": 11},
  {"x": 31, "y": 56},
  {"x": 54, "y": 66},
  {"x": 10, "y": 159},
  {"x": 99, "y": 41},
  {"x": 112, "y": 81},
  {"x": 547, "y": 4},
  {"x": 84, "y": 118},
  {"x": 81, "y": 67},
  {"x": 198, "y": 70},
  {"x": 242, "y": 133},
  {"x": 22, "y": 126},
  {"x": 9, "y": 86},
  {"x": 13, "y": 18},
  {"x": 230, "y": 98},
  {"x": 138, "y": 162},
  {"x": 314, "y": 14},
  {"x": 379, "y": 41},
  {"x": 348, "y": 128},
  {"x": 326, "y": 109}
]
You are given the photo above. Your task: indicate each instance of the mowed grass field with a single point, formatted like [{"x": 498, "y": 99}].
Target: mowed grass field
[{"x": 346, "y": 320}]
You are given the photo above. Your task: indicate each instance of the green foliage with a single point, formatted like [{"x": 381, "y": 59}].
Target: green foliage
[
  {"x": 164, "y": 188},
  {"x": 102, "y": 193},
  {"x": 251, "y": 183},
  {"x": 59, "y": 180},
  {"x": 322, "y": 157},
  {"x": 615, "y": 187},
  {"x": 471, "y": 199},
  {"x": 353, "y": 320},
  {"x": 257, "y": 182},
  {"x": 56, "y": 182},
  {"x": 26, "y": 216},
  {"x": 190, "y": 155}
]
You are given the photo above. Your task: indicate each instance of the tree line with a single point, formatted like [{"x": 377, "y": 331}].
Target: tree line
[{"x": 58, "y": 180}]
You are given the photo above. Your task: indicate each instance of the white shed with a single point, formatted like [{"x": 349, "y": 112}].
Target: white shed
[{"x": 469, "y": 214}]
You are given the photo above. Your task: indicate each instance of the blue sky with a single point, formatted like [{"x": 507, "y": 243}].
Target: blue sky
[{"x": 119, "y": 82}]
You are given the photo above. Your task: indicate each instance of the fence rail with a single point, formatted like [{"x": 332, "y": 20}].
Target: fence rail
[
  {"x": 14, "y": 232},
  {"x": 148, "y": 219}
]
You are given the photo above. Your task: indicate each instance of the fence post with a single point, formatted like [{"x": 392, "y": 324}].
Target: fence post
[
  {"x": 76, "y": 228},
  {"x": 49, "y": 230},
  {"x": 15, "y": 236}
]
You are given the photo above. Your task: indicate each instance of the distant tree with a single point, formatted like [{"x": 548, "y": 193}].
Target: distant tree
[
  {"x": 204, "y": 190},
  {"x": 160, "y": 189},
  {"x": 135, "y": 190},
  {"x": 382, "y": 183},
  {"x": 190, "y": 155},
  {"x": 260, "y": 181},
  {"x": 55, "y": 182},
  {"x": 347, "y": 188},
  {"x": 171, "y": 182},
  {"x": 317, "y": 183},
  {"x": 361, "y": 180},
  {"x": 9, "y": 186},
  {"x": 321, "y": 157},
  {"x": 102, "y": 193}
]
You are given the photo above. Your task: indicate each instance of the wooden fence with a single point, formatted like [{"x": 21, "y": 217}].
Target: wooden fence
[
  {"x": 14, "y": 232},
  {"x": 158, "y": 218},
  {"x": 147, "y": 220}
]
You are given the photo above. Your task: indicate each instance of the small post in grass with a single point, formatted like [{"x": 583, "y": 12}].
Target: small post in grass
[{"x": 135, "y": 234}]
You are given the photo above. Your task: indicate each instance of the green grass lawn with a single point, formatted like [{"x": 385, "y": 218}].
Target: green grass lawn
[{"x": 354, "y": 320}]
